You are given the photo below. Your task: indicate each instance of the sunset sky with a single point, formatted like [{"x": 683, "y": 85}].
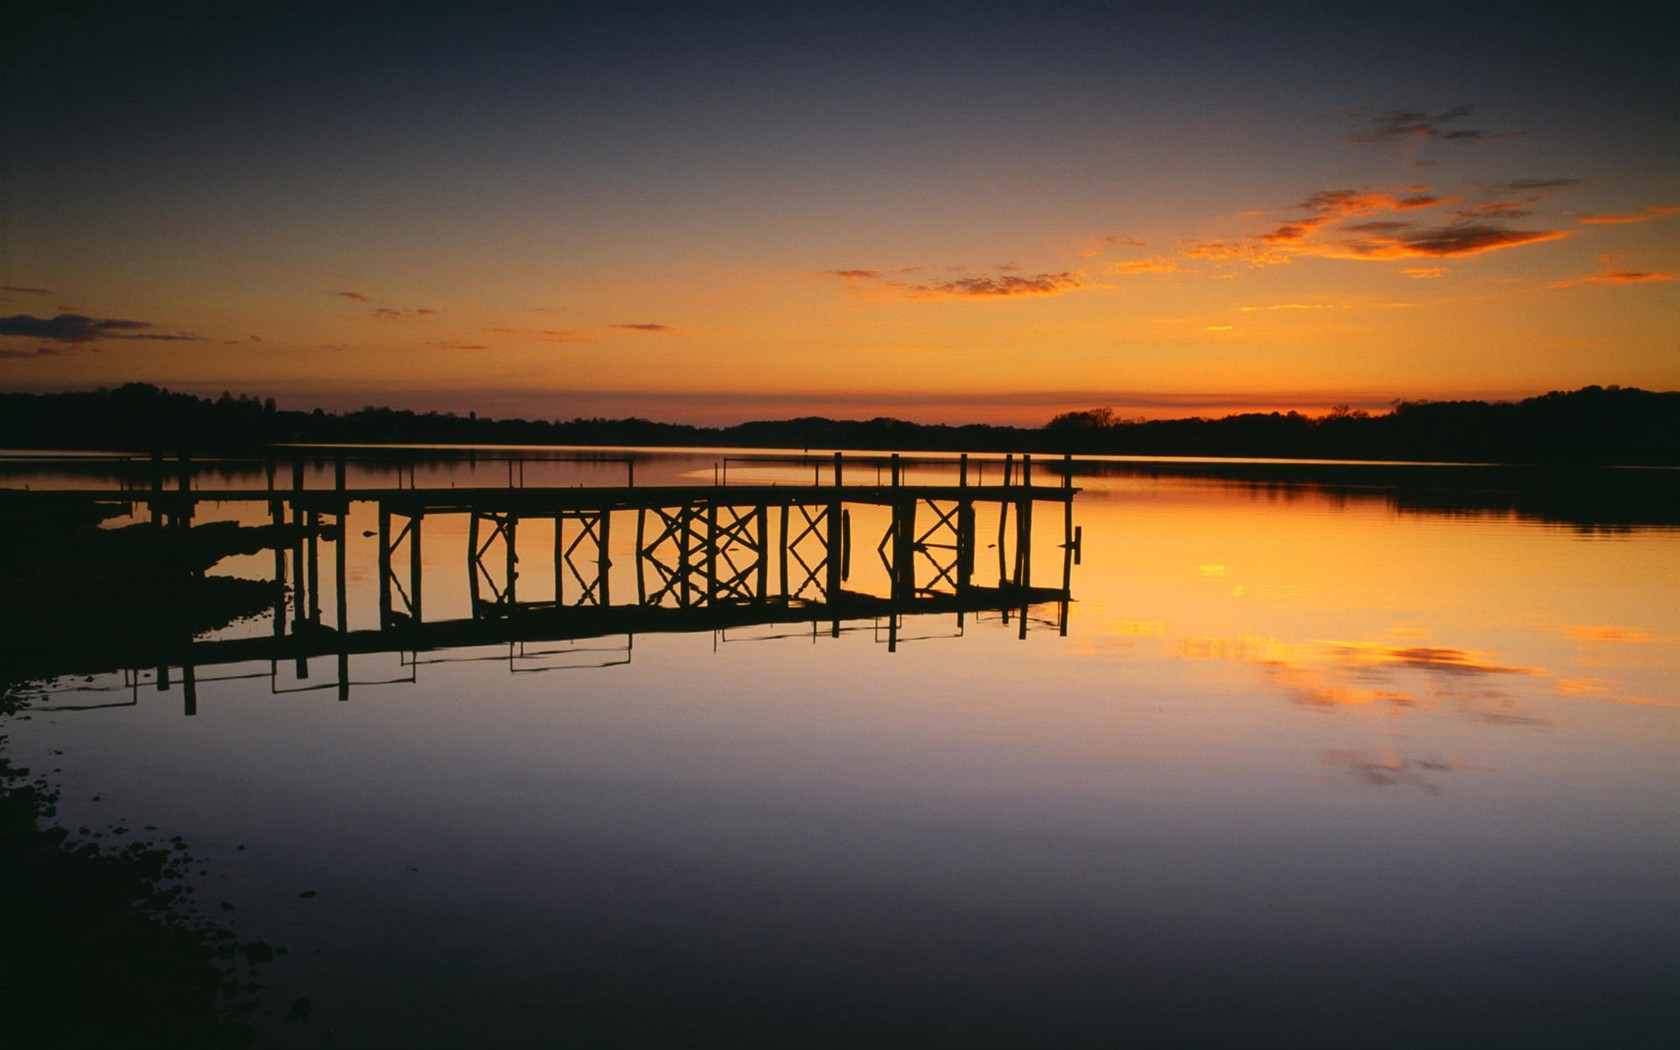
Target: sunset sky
[{"x": 943, "y": 212}]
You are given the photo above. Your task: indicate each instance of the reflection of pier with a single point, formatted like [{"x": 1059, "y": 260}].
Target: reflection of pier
[{"x": 706, "y": 558}]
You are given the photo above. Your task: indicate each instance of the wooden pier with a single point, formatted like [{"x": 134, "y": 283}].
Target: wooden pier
[{"x": 707, "y": 557}]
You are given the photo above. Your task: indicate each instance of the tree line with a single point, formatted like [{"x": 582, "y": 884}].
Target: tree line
[{"x": 1595, "y": 424}]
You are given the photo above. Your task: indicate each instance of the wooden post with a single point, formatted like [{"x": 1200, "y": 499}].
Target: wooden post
[
  {"x": 384, "y": 566},
  {"x": 782, "y": 552},
  {"x": 763, "y": 553},
  {"x": 711, "y": 551},
  {"x": 560, "y": 560},
  {"x": 277, "y": 518},
  {"x": 845, "y": 545},
  {"x": 641, "y": 556},
  {"x": 1003, "y": 521},
  {"x": 837, "y": 470},
  {"x": 603, "y": 562},
  {"x": 509, "y": 525},
  {"x": 184, "y": 514},
  {"x": 965, "y": 545},
  {"x": 472, "y": 560},
  {"x": 343, "y": 611},
  {"x": 189, "y": 690},
  {"x": 685, "y": 566},
  {"x": 157, "y": 488},
  {"x": 831, "y": 586},
  {"x": 314, "y": 566},
  {"x": 414, "y": 563},
  {"x": 341, "y": 562}
]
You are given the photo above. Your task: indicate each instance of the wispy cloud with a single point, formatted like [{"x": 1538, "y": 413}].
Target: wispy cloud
[
  {"x": 1002, "y": 283},
  {"x": 1384, "y": 231},
  {"x": 1158, "y": 264},
  {"x": 647, "y": 327},
  {"x": 25, "y": 291},
  {"x": 1512, "y": 198},
  {"x": 43, "y": 351},
  {"x": 1468, "y": 238},
  {"x": 77, "y": 328},
  {"x": 1347, "y": 203},
  {"x": 1611, "y": 275},
  {"x": 384, "y": 311},
  {"x": 1424, "y": 273},
  {"x": 459, "y": 346},
  {"x": 1417, "y": 125},
  {"x": 1655, "y": 211}
]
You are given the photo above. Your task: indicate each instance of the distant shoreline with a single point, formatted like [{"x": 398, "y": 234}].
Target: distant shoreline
[{"x": 1593, "y": 425}]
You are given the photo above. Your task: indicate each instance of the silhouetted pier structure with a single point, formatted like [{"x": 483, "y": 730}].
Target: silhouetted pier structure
[{"x": 707, "y": 557}]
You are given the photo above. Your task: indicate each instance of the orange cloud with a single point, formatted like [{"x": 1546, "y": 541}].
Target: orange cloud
[
  {"x": 1345, "y": 203},
  {"x": 1425, "y": 272},
  {"x": 646, "y": 327},
  {"x": 1655, "y": 211},
  {"x": 1327, "y": 234},
  {"x": 1616, "y": 277},
  {"x": 1159, "y": 264}
]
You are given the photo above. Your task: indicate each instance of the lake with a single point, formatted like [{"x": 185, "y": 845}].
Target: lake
[{"x": 1314, "y": 756}]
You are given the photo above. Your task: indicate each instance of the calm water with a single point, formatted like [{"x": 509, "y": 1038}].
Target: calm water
[{"x": 1309, "y": 768}]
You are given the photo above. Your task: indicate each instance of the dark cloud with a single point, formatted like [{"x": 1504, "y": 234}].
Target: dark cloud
[
  {"x": 77, "y": 328},
  {"x": 1363, "y": 202},
  {"x": 459, "y": 346},
  {"x": 1496, "y": 210},
  {"x": 854, "y": 275},
  {"x": 990, "y": 286},
  {"x": 1412, "y": 125},
  {"x": 1470, "y": 238},
  {"x": 356, "y": 296},
  {"x": 1529, "y": 185},
  {"x": 26, "y": 291},
  {"x": 1294, "y": 232},
  {"x": 40, "y": 351},
  {"x": 645, "y": 327}
]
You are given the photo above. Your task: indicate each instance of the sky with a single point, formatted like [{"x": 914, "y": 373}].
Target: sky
[{"x": 943, "y": 212}]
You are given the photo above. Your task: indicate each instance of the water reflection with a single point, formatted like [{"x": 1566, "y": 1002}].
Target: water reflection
[{"x": 1301, "y": 771}]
